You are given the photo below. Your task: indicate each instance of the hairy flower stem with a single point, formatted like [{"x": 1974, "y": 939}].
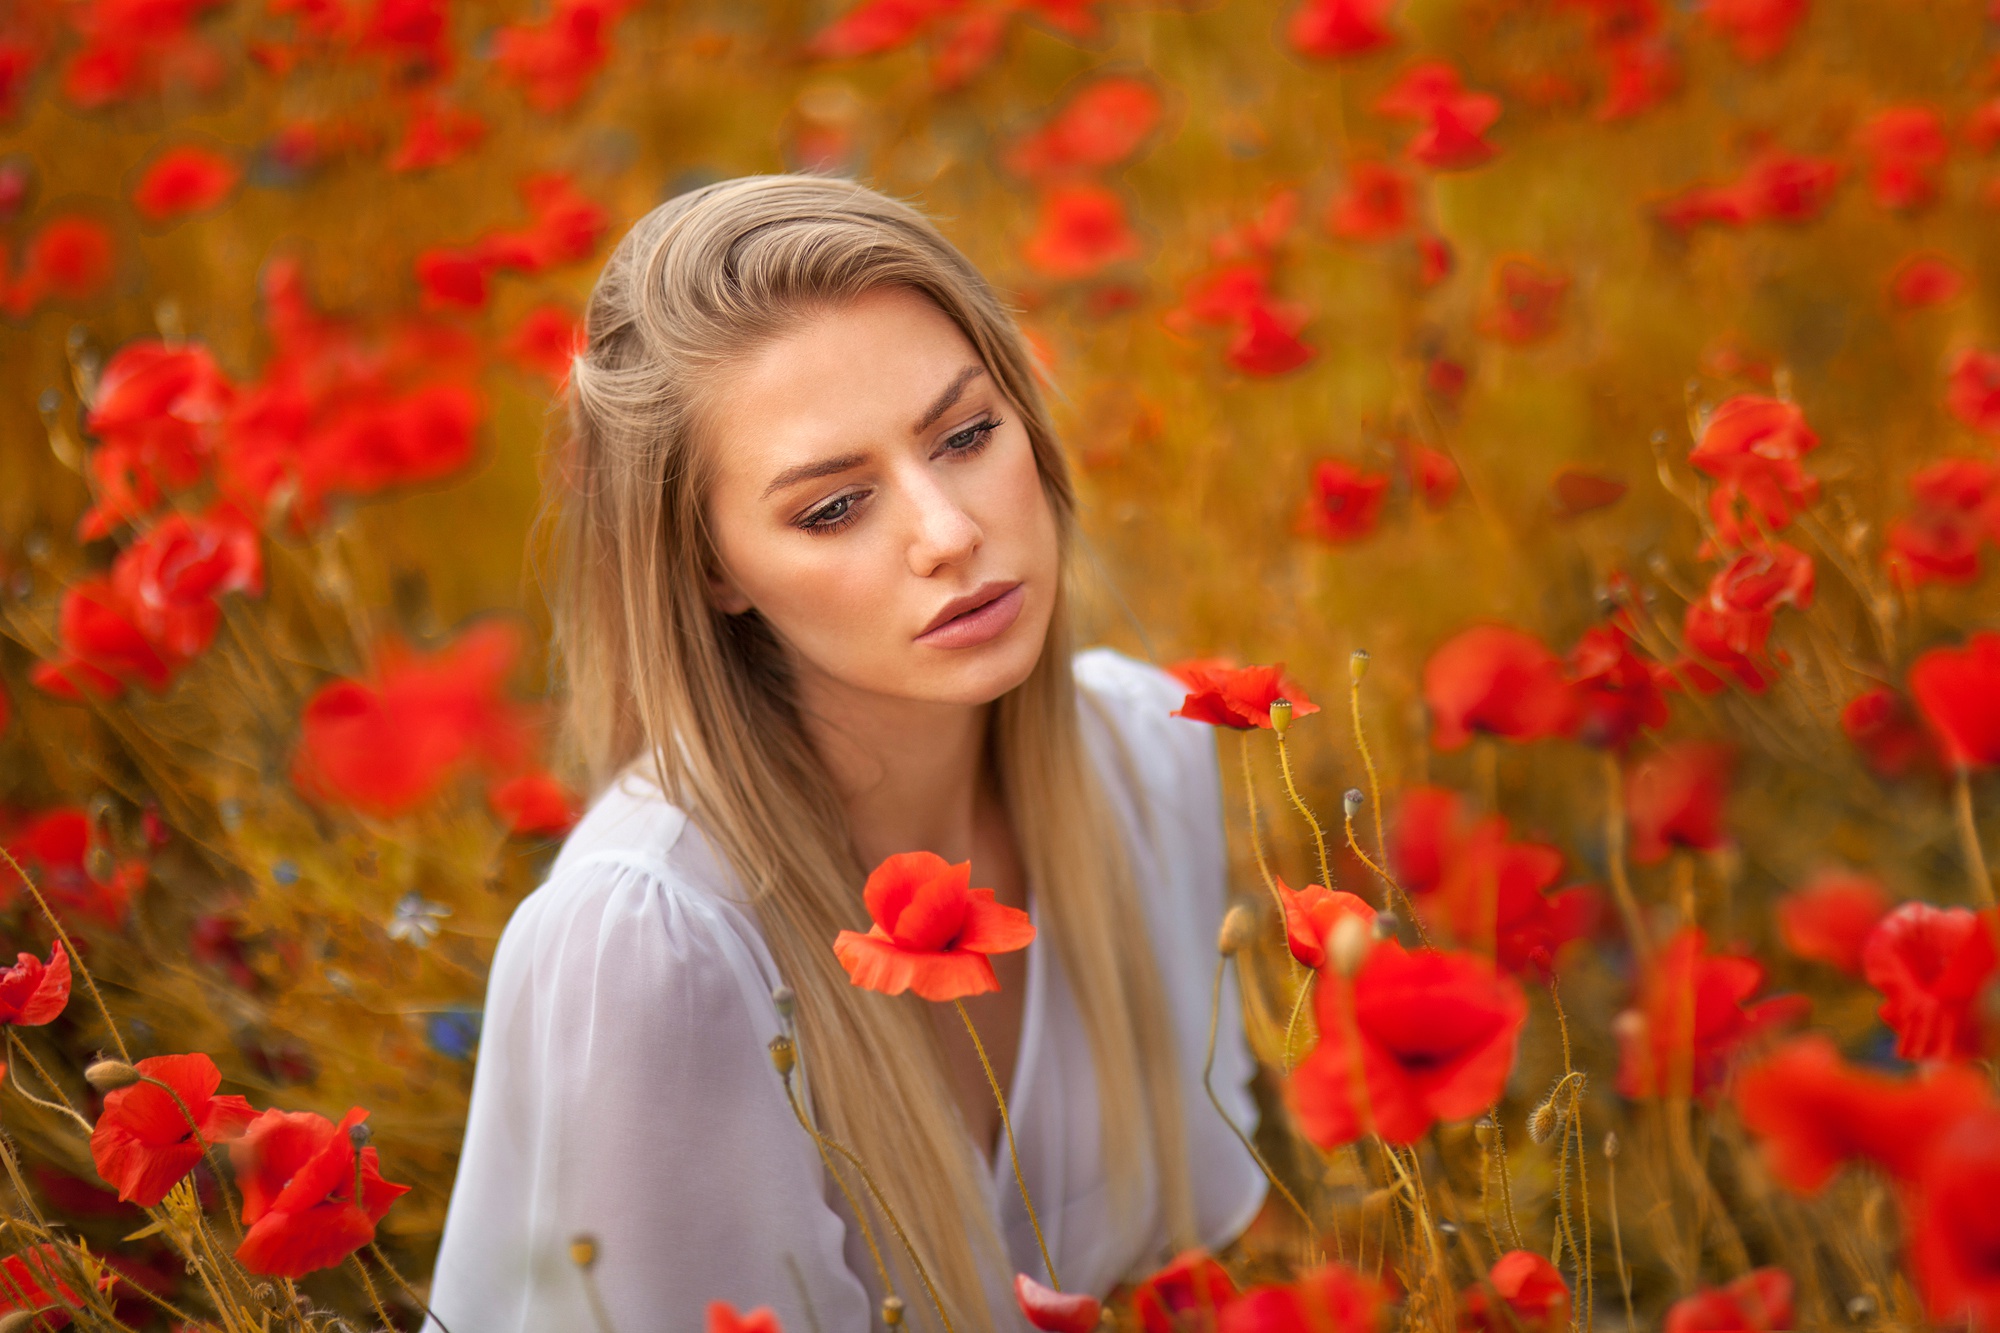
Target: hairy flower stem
[
  {"x": 20, "y": 1047},
  {"x": 1292, "y": 1023},
  {"x": 69, "y": 947},
  {"x": 1256, "y": 833},
  {"x": 1007, "y": 1124},
  {"x": 853, "y": 1204},
  {"x": 1614, "y": 858},
  {"x": 1354, "y": 674},
  {"x": 1207, "y": 1083},
  {"x": 1617, "y": 1237},
  {"x": 1506, "y": 1182},
  {"x": 1393, "y": 893},
  {"x": 1299, "y": 803},
  {"x": 1968, "y": 837},
  {"x": 403, "y": 1282},
  {"x": 375, "y": 1300}
]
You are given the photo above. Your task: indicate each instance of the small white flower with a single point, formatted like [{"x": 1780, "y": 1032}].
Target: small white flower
[{"x": 416, "y": 919}]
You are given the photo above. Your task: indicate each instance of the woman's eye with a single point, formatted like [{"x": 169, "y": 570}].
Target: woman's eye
[
  {"x": 972, "y": 438},
  {"x": 833, "y": 514}
]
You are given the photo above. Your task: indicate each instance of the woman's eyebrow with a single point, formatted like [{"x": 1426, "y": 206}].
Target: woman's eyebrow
[
  {"x": 947, "y": 398},
  {"x": 825, "y": 467}
]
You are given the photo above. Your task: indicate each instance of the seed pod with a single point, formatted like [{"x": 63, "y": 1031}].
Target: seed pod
[
  {"x": 1239, "y": 930},
  {"x": 1483, "y": 1130},
  {"x": 783, "y": 1055},
  {"x": 110, "y": 1075},
  {"x": 1357, "y": 665},
  {"x": 892, "y": 1311},
  {"x": 583, "y": 1250},
  {"x": 1352, "y": 801},
  {"x": 358, "y": 1135},
  {"x": 1281, "y": 715},
  {"x": 786, "y": 1002},
  {"x": 1386, "y": 925},
  {"x": 1610, "y": 1145}
]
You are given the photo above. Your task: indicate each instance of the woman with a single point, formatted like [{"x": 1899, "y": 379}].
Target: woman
[{"x": 815, "y": 536}]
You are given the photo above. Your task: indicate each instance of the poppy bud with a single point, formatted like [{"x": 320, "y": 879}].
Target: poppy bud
[
  {"x": 1482, "y": 1129},
  {"x": 583, "y": 1250},
  {"x": 1352, "y": 801},
  {"x": 892, "y": 1311},
  {"x": 1349, "y": 945},
  {"x": 783, "y": 1056},
  {"x": 110, "y": 1075},
  {"x": 1860, "y": 1307},
  {"x": 1542, "y": 1124},
  {"x": 1239, "y": 930},
  {"x": 1610, "y": 1145},
  {"x": 21, "y": 1320},
  {"x": 785, "y": 1001},
  {"x": 1357, "y": 665},
  {"x": 1281, "y": 715},
  {"x": 1386, "y": 925}
]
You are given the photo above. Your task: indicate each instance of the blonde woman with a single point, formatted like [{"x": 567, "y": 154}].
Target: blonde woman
[{"x": 815, "y": 537}]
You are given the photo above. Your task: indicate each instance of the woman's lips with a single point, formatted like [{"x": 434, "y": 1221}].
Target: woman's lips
[{"x": 981, "y": 624}]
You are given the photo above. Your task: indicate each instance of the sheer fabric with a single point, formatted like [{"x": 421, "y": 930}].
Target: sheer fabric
[{"x": 623, "y": 1087}]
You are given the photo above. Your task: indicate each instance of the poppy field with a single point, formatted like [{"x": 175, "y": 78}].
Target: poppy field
[{"x": 1554, "y": 442}]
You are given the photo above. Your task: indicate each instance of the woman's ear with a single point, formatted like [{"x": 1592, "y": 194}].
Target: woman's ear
[{"x": 723, "y": 592}]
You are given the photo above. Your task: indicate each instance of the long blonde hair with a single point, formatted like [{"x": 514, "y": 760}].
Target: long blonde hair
[{"x": 656, "y": 674}]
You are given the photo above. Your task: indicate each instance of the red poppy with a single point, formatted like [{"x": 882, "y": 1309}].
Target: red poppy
[
  {"x": 1759, "y": 1301},
  {"x": 1187, "y": 1296},
  {"x": 435, "y": 135},
  {"x": 1268, "y": 342},
  {"x": 296, "y": 1172},
  {"x": 1434, "y": 260},
  {"x": 932, "y": 931},
  {"x": 1311, "y": 916},
  {"x": 168, "y": 581},
  {"x": 1887, "y": 731},
  {"x": 1953, "y": 1228},
  {"x": 1972, "y": 389},
  {"x": 552, "y": 60},
  {"x": 1752, "y": 445},
  {"x": 545, "y": 341},
  {"x": 1533, "y": 1290},
  {"x": 1813, "y": 1113},
  {"x": 1100, "y": 126},
  {"x": 68, "y": 854},
  {"x": 1496, "y": 890},
  {"x": 1618, "y": 694},
  {"x": 1080, "y": 228},
  {"x": 1829, "y": 919},
  {"x": 103, "y": 651},
  {"x": 132, "y": 48},
  {"x": 1432, "y": 1035},
  {"x": 1789, "y": 187},
  {"x": 1906, "y": 147},
  {"x": 1499, "y": 681},
  {"x": 1730, "y": 626},
  {"x": 1756, "y": 30},
  {"x": 1433, "y": 476},
  {"x": 143, "y": 1143},
  {"x": 722, "y": 1318},
  {"x": 184, "y": 180},
  {"x": 1054, "y": 1311},
  {"x": 1426, "y": 833},
  {"x": 534, "y": 803},
  {"x": 1453, "y": 120},
  {"x": 1375, "y": 204},
  {"x": 1640, "y": 73},
  {"x": 452, "y": 278},
  {"x": 1931, "y": 965},
  {"x": 1225, "y": 695},
  {"x": 388, "y": 743},
  {"x": 1222, "y": 295},
  {"x": 567, "y": 226},
  {"x": 33, "y": 1280},
  {"x": 69, "y": 258},
  {"x": 1955, "y": 512},
  {"x": 874, "y": 26},
  {"x": 1958, "y": 692},
  {"x": 1345, "y": 503},
  {"x": 1524, "y": 300},
  {"x": 1676, "y": 798},
  {"x": 1693, "y": 1011},
  {"x": 158, "y": 417},
  {"x": 1331, "y": 1298},
  {"x": 31, "y": 992},
  {"x": 1926, "y": 280},
  {"x": 1331, "y": 29}
]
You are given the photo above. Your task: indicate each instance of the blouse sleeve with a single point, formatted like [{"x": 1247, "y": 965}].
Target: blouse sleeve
[{"x": 624, "y": 1089}]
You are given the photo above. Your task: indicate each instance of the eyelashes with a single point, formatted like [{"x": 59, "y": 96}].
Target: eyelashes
[{"x": 842, "y": 510}]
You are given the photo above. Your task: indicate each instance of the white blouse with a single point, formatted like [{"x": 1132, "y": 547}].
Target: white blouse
[{"x": 623, "y": 1086}]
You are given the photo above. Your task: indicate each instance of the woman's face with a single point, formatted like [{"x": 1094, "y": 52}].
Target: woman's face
[{"x": 875, "y": 498}]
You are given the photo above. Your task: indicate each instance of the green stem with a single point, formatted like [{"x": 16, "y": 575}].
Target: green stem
[{"x": 1007, "y": 1124}]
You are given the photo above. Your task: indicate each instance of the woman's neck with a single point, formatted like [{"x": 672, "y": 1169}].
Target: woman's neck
[{"x": 912, "y": 775}]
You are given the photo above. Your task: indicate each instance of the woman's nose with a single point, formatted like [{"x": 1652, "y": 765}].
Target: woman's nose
[{"x": 945, "y": 534}]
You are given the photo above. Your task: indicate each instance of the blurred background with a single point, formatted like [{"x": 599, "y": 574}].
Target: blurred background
[{"x": 1366, "y": 321}]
